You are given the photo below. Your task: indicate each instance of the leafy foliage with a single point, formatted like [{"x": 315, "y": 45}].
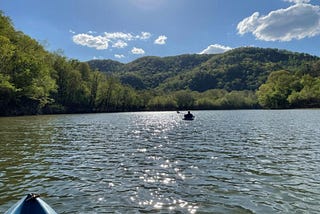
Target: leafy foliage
[
  {"x": 238, "y": 69},
  {"x": 149, "y": 72},
  {"x": 35, "y": 81},
  {"x": 286, "y": 90},
  {"x": 26, "y": 76}
]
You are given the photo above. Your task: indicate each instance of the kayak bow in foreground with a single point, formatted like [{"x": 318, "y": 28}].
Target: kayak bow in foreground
[{"x": 31, "y": 204}]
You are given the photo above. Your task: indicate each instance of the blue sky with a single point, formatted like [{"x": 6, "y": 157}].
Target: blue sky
[{"x": 125, "y": 30}]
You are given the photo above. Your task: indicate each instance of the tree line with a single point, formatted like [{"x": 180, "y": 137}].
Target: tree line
[
  {"x": 287, "y": 90},
  {"x": 35, "y": 81}
]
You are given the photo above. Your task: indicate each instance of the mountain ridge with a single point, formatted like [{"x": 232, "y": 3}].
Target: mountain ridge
[
  {"x": 36, "y": 81},
  {"x": 244, "y": 68}
]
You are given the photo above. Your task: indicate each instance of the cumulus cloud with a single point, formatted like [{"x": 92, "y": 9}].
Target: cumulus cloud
[
  {"x": 119, "y": 35},
  {"x": 161, "y": 40},
  {"x": 144, "y": 35},
  {"x": 119, "y": 56},
  {"x": 215, "y": 49},
  {"x": 249, "y": 24},
  {"x": 97, "y": 42},
  {"x": 101, "y": 42},
  {"x": 295, "y": 22},
  {"x": 138, "y": 51},
  {"x": 119, "y": 44}
]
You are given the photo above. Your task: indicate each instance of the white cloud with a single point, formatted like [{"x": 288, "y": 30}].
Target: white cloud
[
  {"x": 127, "y": 36},
  {"x": 137, "y": 51},
  {"x": 117, "y": 39},
  {"x": 91, "y": 32},
  {"x": 215, "y": 49},
  {"x": 71, "y": 31},
  {"x": 298, "y": 1},
  {"x": 97, "y": 42},
  {"x": 144, "y": 36},
  {"x": 120, "y": 44},
  {"x": 119, "y": 56},
  {"x": 295, "y": 22},
  {"x": 161, "y": 40},
  {"x": 119, "y": 35},
  {"x": 249, "y": 24}
]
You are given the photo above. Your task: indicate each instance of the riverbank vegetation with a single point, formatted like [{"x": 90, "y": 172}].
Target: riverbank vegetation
[{"x": 35, "y": 81}]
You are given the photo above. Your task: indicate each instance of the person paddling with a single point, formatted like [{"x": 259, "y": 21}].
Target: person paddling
[{"x": 188, "y": 116}]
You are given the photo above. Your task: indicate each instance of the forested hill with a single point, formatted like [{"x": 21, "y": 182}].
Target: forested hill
[
  {"x": 239, "y": 69},
  {"x": 149, "y": 72},
  {"x": 35, "y": 81}
]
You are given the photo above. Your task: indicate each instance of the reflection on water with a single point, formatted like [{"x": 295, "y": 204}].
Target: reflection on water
[{"x": 222, "y": 162}]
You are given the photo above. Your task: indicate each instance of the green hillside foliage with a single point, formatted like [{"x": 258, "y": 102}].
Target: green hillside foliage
[
  {"x": 25, "y": 71},
  {"x": 35, "y": 81},
  {"x": 286, "y": 90},
  {"x": 150, "y": 72},
  {"x": 240, "y": 70},
  {"x": 106, "y": 65}
]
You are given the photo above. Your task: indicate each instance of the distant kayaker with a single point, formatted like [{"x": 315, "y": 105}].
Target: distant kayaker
[{"x": 188, "y": 116}]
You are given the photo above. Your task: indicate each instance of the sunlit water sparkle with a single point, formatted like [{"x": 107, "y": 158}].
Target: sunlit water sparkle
[{"x": 155, "y": 162}]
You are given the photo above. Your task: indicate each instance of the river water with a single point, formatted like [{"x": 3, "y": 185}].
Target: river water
[{"x": 248, "y": 161}]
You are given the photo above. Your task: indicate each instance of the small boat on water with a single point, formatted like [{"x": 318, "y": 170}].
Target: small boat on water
[
  {"x": 188, "y": 116},
  {"x": 31, "y": 204}
]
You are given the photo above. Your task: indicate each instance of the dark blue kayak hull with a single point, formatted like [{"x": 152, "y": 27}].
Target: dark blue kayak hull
[{"x": 31, "y": 205}]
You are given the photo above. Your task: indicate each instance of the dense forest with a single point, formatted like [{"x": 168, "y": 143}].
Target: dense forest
[{"x": 35, "y": 81}]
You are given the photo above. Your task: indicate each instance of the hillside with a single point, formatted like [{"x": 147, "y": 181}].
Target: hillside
[
  {"x": 149, "y": 72},
  {"x": 35, "y": 81},
  {"x": 239, "y": 69}
]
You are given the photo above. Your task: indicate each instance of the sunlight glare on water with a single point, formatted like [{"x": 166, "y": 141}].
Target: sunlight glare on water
[{"x": 251, "y": 161}]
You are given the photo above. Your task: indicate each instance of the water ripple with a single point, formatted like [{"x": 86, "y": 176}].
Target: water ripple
[{"x": 222, "y": 162}]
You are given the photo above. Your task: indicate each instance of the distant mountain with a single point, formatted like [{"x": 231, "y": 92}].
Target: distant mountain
[
  {"x": 149, "y": 72},
  {"x": 35, "y": 81},
  {"x": 239, "y": 69},
  {"x": 106, "y": 65}
]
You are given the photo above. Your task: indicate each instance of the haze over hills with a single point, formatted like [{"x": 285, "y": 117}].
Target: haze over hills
[{"x": 239, "y": 69}]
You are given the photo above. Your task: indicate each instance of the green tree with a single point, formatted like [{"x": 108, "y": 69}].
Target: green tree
[
  {"x": 309, "y": 95},
  {"x": 162, "y": 102},
  {"x": 184, "y": 99},
  {"x": 106, "y": 93},
  {"x": 73, "y": 92},
  {"x": 274, "y": 93},
  {"x": 30, "y": 73},
  {"x": 7, "y": 89},
  {"x": 129, "y": 99},
  {"x": 96, "y": 79}
]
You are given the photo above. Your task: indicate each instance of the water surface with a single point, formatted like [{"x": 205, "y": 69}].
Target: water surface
[{"x": 252, "y": 161}]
